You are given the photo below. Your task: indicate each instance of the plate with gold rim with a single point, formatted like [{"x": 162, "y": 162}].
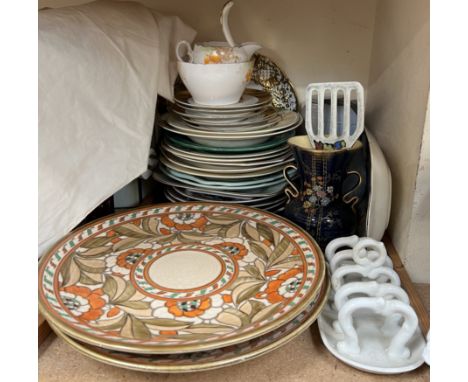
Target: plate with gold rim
[
  {"x": 211, "y": 117},
  {"x": 232, "y": 183},
  {"x": 180, "y": 140},
  {"x": 220, "y": 172},
  {"x": 203, "y": 196},
  {"x": 251, "y": 99},
  {"x": 211, "y": 359},
  {"x": 241, "y": 142},
  {"x": 179, "y": 277},
  {"x": 210, "y": 123},
  {"x": 266, "y": 203},
  {"x": 163, "y": 176},
  {"x": 208, "y": 157},
  {"x": 232, "y": 166},
  {"x": 285, "y": 120}
]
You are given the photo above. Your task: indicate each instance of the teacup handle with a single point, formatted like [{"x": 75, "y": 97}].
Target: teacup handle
[
  {"x": 188, "y": 49},
  {"x": 292, "y": 192}
]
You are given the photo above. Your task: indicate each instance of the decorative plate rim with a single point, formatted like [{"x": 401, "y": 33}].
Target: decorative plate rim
[
  {"x": 178, "y": 348},
  {"x": 164, "y": 125},
  {"x": 205, "y": 366},
  {"x": 226, "y": 173},
  {"x": 272, "y": 142},
  {"x": 267, "y": 127},
  {"x": 163, "y": 178},
  {"x": 236, "y": 157}
]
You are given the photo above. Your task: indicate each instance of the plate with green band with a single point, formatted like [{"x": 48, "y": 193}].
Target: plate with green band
[{"x": 185, "y": 143}]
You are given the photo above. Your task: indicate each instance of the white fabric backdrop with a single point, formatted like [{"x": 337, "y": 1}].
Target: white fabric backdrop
[{"x": 101, "y": 66}]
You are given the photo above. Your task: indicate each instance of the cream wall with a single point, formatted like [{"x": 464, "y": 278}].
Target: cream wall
[
  {"x": 397, "y": 97},
  {"x": 311, "y": 40}
]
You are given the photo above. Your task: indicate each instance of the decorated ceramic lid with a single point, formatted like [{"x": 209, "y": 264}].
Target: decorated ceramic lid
[{"x": 179, "y": 277}]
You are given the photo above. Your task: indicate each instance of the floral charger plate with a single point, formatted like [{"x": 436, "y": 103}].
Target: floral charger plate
[
  {"x": 180, "y": 277},
  {"x": 210, "y": 359}
]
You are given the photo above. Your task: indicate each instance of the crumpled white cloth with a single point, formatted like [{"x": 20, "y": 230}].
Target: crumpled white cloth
[{"x": 101, "y": 66}]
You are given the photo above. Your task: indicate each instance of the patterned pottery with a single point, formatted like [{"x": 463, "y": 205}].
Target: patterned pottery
[
  {"x": 211, "y": 359},
  {"x": 181, "y": 277},
  {"x": 320, "y": 206},
  {"x": 270, "y": 77}
]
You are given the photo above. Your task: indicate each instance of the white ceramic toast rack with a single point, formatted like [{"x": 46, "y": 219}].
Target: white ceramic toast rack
[{"x": 368, "y": 322}]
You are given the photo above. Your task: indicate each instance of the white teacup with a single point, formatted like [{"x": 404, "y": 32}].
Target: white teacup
[{"x": 215, "y": 84}]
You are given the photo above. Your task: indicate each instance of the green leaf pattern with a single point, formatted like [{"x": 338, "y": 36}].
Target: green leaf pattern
[{"x": 131, "y": 313}]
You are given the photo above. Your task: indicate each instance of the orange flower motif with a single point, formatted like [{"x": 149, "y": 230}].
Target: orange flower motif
[
  {"x": 193, "y": 308},
  {"x": 285, "y": 286},
  {"x": 184, "y": 221},
  {"x": 137, "y": 222},
  {"x": 128, "y": 258},
  {"x": 168, "y": 332},
  {"x": 272, "y": 272},
  {"x": 113, "y": 312},
  {"x": 83, "y": 302},
  {"x": 236, "y": 250},
  {"x": 212, "y": 59}
]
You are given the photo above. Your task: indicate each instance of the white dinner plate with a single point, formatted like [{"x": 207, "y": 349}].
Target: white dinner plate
[
  {"x": 220, "y": 116},
  {"x": 250, "y": 99},
  {"x": 285, "y": 119},
  {"x": 272, "y": 184},
  {"x": 204, "y": 196},
  {"x": 380, "y": 191},
  {"x": 269, "y": 115},
  {"x": 209, "y": 157},
  {"x": 210, "y": 174},
  {"x": 161, "y": 175},
  {"x": 222, "y": 166}
]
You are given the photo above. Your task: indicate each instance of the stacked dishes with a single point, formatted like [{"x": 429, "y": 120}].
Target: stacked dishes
[
  {"x": 183, "y": 286},
  {"x": 232, "y": 153}
]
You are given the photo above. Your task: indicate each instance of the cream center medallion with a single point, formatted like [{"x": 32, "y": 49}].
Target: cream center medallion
[{"x": 185, "y": 269}]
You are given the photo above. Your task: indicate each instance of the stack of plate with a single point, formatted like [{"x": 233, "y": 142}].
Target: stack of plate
[
  {"x": 182, "y": 287},
  {"x": 233, "y": 153}
]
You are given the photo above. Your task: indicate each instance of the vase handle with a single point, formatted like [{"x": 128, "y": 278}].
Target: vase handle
[
  {"x": 348, "y": 198},
  {"x": 292, "y": 192}
]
